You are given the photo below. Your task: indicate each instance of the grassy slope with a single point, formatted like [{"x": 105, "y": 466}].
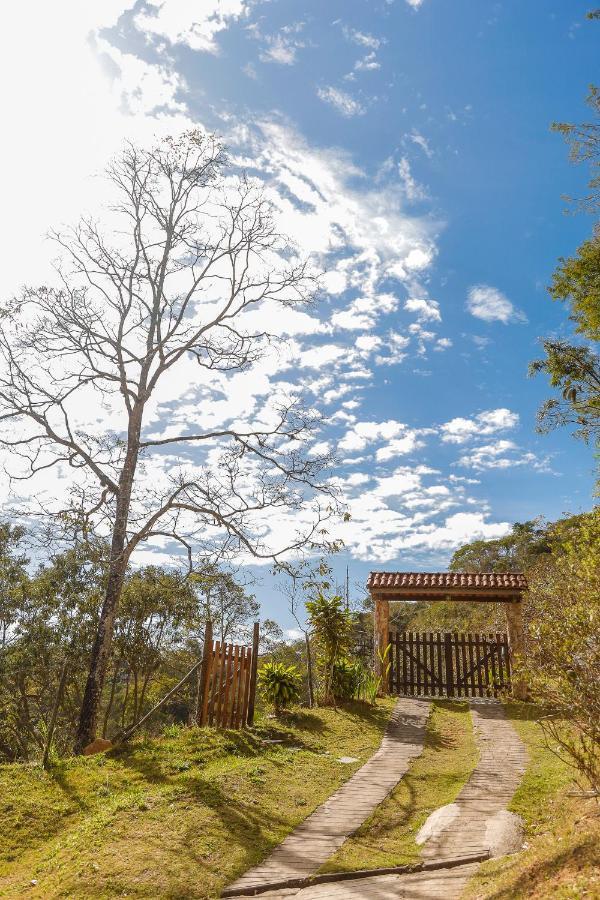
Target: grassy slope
[
  {"x": 562, "y": 857},
  {"x": 449, "y": 756},
  {"x": 175, "y": 817}
]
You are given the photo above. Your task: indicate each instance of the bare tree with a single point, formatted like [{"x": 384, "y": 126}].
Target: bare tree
[{"x": 188, "y": 251}]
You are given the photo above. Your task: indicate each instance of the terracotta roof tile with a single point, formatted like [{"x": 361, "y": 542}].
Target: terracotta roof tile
[{"x": 469, "y": 581}]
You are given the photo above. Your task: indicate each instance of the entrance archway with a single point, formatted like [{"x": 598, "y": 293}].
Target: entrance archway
[{"x": 467, "y": 587}]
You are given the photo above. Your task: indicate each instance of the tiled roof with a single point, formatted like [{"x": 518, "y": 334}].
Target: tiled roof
[{"x": 468, "y": 581}]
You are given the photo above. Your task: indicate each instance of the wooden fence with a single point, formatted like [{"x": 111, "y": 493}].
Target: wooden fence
[
  {"x": 449, "y": 665},
  {"x": 227, "y": 682}
]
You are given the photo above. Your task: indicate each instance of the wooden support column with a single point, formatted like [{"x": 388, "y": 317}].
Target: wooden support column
[
  {"x": 381, "y": 621},
  {"x": 516, "y": 644}
]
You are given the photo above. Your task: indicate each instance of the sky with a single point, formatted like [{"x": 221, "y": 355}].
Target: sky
[{"x": 407, "y": 147}]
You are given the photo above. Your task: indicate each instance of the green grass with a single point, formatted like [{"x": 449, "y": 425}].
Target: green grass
[
  {"x": 562, "y": 858},
  {"x": 177, "y": 817},
  {"x": 435, "y": 778}
]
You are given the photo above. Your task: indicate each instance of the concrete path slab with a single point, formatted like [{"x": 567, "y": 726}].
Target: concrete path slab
[
  {"x": 305, "y": 850},
  {"x": 502, "y": 762}
]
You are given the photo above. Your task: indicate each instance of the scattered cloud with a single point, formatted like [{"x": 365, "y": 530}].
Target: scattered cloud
[
  {"x": 363, "y": 38},
  {"x": 367, "y": 63},
  {"x": 490, "y": 304},
  {"x": 413, "y": 190},
  {"x": 421, "y": 141},
  {"x": 173, "y": 21},
  {"x": 341, "y": 101},
  {"x": 424, "y": 308},
  {"x": 460, "y": 430},
  {"x": 281, "y": 48},
  {"x": 501, "y": 455}
]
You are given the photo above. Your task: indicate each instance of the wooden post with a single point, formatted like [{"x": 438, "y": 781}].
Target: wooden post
[
  {"x": 255, "y": 635},
  {"x": 205, "y": 673},
  {"x": 381, "y": 623},
  {"x": 516, "y": 645}
]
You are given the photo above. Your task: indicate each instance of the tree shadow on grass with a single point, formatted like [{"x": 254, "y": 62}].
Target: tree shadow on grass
[{"x": 544, "y": 872}]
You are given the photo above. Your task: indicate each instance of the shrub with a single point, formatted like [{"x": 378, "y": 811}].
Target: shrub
[
  {"x": 347, "y": 676},
  {"x": 280, "y": 684}
]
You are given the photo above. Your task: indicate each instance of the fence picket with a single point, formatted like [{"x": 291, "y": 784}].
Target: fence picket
[{"x": 227, "y": 682}]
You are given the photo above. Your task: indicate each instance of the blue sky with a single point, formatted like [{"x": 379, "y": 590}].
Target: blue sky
[{"x": 408, "y": 148}]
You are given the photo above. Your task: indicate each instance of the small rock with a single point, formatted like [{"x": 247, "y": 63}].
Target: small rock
[
  {"x": 348, "y": 759},
  {"x": 97, "y": 746},
  {"x": 33, "y": 881}
]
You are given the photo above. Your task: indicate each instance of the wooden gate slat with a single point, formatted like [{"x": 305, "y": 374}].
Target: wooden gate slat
[
  {"x": 440, "y": 669},
  {"x": 471, "y": 675},
  {"x": 493, "y": 665},
  {"x": 404, "y": 665},
  {"x": 244, "y": 719},
  {"x": 216, "y": 656},
  {"x": 501, "y": 679},
  {"x": 465, "y": 664}
]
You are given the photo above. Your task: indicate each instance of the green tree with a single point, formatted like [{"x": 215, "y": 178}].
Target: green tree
[
  {"x": 332, "y": 628},
  {"x": 225, "y": 602},
  {"x": 573, "y": 365},
  {"x": 13, "y": 576},
  {"x": 563, "y": 643},
  {"x": 513, "y": 553}
]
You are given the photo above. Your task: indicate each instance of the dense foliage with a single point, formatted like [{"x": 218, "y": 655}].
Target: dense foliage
[
  {"x": 48, "y": 617},
  {"x": 573, "y": 364}
]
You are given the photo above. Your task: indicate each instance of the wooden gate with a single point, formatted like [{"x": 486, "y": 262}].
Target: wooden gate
[
  {"x": 227, "y": 682},
  {"x": 448, "y": 665}
]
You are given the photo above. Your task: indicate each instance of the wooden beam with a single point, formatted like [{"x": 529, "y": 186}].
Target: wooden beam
[
  {"x": 381, "y": 622},
  {"x": 478, "y": 595}
]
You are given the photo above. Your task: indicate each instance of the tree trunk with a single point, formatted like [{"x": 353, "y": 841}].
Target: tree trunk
[
  {"x": 55, "y": 709},
  {"x": 309, "y": 668},
  {"x": 92, "y": 697},
  {"x": 111, "y": 699}
]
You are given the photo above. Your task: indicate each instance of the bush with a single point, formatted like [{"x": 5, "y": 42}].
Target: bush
[
  {"x": 280, "y": 684},
  {"x": 347, "y": 675}
]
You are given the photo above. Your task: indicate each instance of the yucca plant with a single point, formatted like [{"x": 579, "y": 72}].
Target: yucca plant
[{"x": 280, "y": 684}]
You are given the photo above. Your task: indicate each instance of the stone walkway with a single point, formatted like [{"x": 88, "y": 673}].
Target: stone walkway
[
  {"x": 324, "y": 831},
  {"x": 472, "y": 821}
]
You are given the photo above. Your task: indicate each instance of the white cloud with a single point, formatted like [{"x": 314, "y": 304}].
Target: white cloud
[
  {"x": 415, "y": 3},
  {"x": 424, "y": 308},
  {"x": 491, "y": 305},
  {"x": 363, "y": 433},
  {"x": 341, "y": 101},
  {"x": 398, "y": 447},
  {"x": 501, "y": 455},
  {"x": 363, "y": 38},
  {"x": 89, "y": 97},
  {"x": 195, "y": 25},
  {"x": 421, "y": 141},
  {"x": 460, "y": 429},
  {"x": 281, "y": 48},
  {"x": 368, "y": 63},
  {"x": 458, "y": 529},
  {"x": 413, "y": 190}
]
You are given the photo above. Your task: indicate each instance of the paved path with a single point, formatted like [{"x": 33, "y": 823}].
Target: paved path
[
  {"x": 502, "y": 761},
  {"x": 324, "y": 831}
]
